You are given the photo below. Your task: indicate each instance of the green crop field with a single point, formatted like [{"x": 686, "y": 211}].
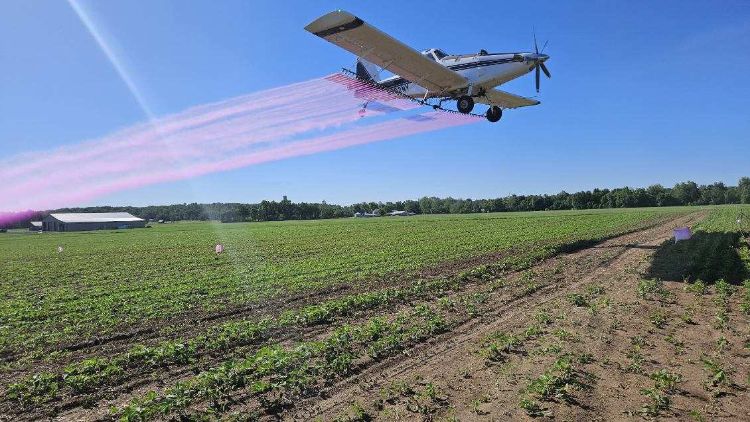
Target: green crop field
[
  {"x": 103, "y": 281},
  {"x": 72, "y": 320}
]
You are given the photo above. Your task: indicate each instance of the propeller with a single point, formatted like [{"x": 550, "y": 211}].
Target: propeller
[{"x": 539, "y": 59}]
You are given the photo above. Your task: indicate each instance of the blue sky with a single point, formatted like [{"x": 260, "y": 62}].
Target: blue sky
[{"x": 641, "y": 92}]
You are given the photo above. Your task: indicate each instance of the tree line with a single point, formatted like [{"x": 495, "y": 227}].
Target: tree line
[{"x": 684, "y": 193}]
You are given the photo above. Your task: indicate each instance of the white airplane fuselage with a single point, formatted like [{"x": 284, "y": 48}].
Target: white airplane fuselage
[{"x": 483, "y": 71}]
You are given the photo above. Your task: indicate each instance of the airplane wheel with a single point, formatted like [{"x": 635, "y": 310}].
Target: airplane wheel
[
  {"x": 494, "y": 113},
  {"x": 465, "y": 104}
]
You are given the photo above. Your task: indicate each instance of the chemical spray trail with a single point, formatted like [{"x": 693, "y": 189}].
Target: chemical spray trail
[{"x": 300, "y": 119}]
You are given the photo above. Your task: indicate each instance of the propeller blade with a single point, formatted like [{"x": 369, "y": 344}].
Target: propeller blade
[
  {"x": 544, "y": 46},
  {"x": 536, "y": 47},
  {"x": 537, "y": 78},
  {"x": 544, "y": 69}
]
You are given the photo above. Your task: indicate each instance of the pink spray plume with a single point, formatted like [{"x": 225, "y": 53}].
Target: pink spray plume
[{"x": 300, "y": 119}]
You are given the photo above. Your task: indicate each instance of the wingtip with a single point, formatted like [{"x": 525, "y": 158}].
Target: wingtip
[{"x": 331, "y": 20}]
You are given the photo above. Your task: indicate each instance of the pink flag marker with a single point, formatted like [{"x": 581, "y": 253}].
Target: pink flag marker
[{"x": 219, "y": 248}]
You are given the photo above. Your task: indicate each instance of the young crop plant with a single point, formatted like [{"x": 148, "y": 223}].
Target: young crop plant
[
  {"x": 595, "y": 290},
  {"x": 653, "y": 289},
  {"x": 658, "y": 402},
  {"x": 636, "y": 360},
  {"x": 564, "y": 335},
  {"x": 532, "y": 331},
  {"x": 723, "y": 289},
  {"x": 666, "y": 381},
  {"x": 577, "y": 299},
  {"x": 638, "y": 341},
  {"x": 718, "y": 375},
  {"x": 721, "y": 344},
  {"x": 585, "y": 358},
  {"x": 722, "y": 317},
  {"x": 533, "y": 408},
  {"x": 425, "y": 402},
  {"x": 658, "y": 319},
  {"x": 477, "y": 402},
  {"x": 543, "y": 318},
  {"x": 395, "y": 390},
  {"x": 745, "y": 302},
  {"x": 551, "y": 349},
  {"x": 557, "y": 383},
  {"x": 499, "y": 345},
  {"x": 697, "y": 416},
  {"x": 37, "y": 389},
  {"x": 679, "y": 345},
  {"x": 355, "y": 413},
  {"x": 687, "y": 316},
  {"x": 698, "y": 288}
]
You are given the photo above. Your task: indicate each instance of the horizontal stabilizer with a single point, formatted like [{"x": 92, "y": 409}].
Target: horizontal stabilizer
[{"x": 504, "y": 99}]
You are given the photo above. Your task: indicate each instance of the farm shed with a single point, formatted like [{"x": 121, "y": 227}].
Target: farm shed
[
  {"x": 71, "y": 222},
  {"x": 35, "y": 226}
]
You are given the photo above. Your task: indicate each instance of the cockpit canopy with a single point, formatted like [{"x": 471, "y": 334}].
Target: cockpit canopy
[{"x": 434, "y": 54}]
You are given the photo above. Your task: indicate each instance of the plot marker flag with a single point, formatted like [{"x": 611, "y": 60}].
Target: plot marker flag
[{"x": 219, "y": 248}]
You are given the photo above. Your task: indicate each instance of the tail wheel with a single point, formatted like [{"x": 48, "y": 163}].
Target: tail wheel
[
  {"x": 494, "y": 114},
  {"x": 465, "y": 104}
]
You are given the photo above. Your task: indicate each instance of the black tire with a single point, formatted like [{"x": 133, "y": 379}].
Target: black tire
[
  {"x": 465, "y": 104},
  {"x": 494, "y": 113}
]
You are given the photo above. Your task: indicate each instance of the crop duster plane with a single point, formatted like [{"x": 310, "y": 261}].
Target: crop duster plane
[{"x": 465, "y": 78}]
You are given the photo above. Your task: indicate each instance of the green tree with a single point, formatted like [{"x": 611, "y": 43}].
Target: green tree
[
  {"x": 686, "y": 193},
  {"x": 743, "y": 190}
]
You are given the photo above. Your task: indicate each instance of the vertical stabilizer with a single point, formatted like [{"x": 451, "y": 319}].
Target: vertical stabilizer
[{"x": 367, "y": 71}]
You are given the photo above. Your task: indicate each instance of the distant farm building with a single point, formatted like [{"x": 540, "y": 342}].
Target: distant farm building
[
  {"x": 35, "y": 226},
  {"x": 374, "y": 213},
  {"x": 397, "y": 213},
  {"x": 73, "y": 222}
]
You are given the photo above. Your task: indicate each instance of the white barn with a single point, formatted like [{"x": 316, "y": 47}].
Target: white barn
[{"x": 81, "y": 221}]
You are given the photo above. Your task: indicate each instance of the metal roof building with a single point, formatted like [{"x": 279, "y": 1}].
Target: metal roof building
[{"x": 81, "y": 221}]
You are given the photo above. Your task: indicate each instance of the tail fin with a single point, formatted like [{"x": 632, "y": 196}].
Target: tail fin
[{"x": 367, "y": 71}]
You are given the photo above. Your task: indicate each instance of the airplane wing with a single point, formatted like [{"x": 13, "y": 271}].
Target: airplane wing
[
  {"x": 354, "y": 35},
  {"x": 504, "y": 99}
]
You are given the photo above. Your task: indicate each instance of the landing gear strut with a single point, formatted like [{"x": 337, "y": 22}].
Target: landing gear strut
[
  {"x": 465, "y": 104},
  {"x": 494, "y": 113}
]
